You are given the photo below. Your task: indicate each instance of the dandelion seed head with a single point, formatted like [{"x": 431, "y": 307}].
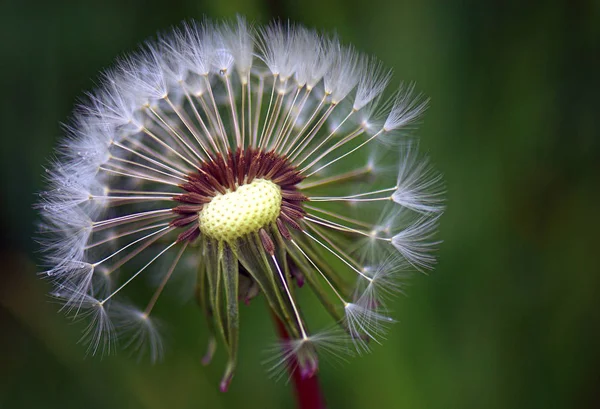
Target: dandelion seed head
[{"x": 249, "y": 156}]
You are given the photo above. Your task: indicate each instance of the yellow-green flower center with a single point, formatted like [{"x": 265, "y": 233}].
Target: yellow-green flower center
[{"x": 235, "y": 214}]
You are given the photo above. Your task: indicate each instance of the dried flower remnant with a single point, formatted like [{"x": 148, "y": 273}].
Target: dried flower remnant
[{"x": 252, "y": 150}]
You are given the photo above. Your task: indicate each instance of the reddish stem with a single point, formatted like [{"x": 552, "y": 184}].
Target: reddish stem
[{"x": 307, "y": 389}]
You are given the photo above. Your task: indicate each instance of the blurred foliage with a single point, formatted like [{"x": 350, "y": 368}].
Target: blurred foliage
[{"x": 510, "y": 318}]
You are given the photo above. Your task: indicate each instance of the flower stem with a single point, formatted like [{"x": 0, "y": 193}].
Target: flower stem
[{"x": 307, "y": 389}]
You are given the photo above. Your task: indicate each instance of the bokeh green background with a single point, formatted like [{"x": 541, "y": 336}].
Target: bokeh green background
[{"x": 510, "y": 318}]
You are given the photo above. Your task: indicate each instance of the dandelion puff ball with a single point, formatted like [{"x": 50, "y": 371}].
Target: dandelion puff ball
[{"x": 255, "y": 152}]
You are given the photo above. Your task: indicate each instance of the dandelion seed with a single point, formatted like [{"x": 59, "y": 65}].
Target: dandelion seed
[
  {"x": 238, "y": 150},
  {"x": 419, "y": 187}
]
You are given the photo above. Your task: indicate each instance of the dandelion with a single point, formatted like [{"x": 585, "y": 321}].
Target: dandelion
[{"x": 247, "y": 153}]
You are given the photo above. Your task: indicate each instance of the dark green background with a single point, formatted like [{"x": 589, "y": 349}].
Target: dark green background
[{"x": 510, "y": 318}]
